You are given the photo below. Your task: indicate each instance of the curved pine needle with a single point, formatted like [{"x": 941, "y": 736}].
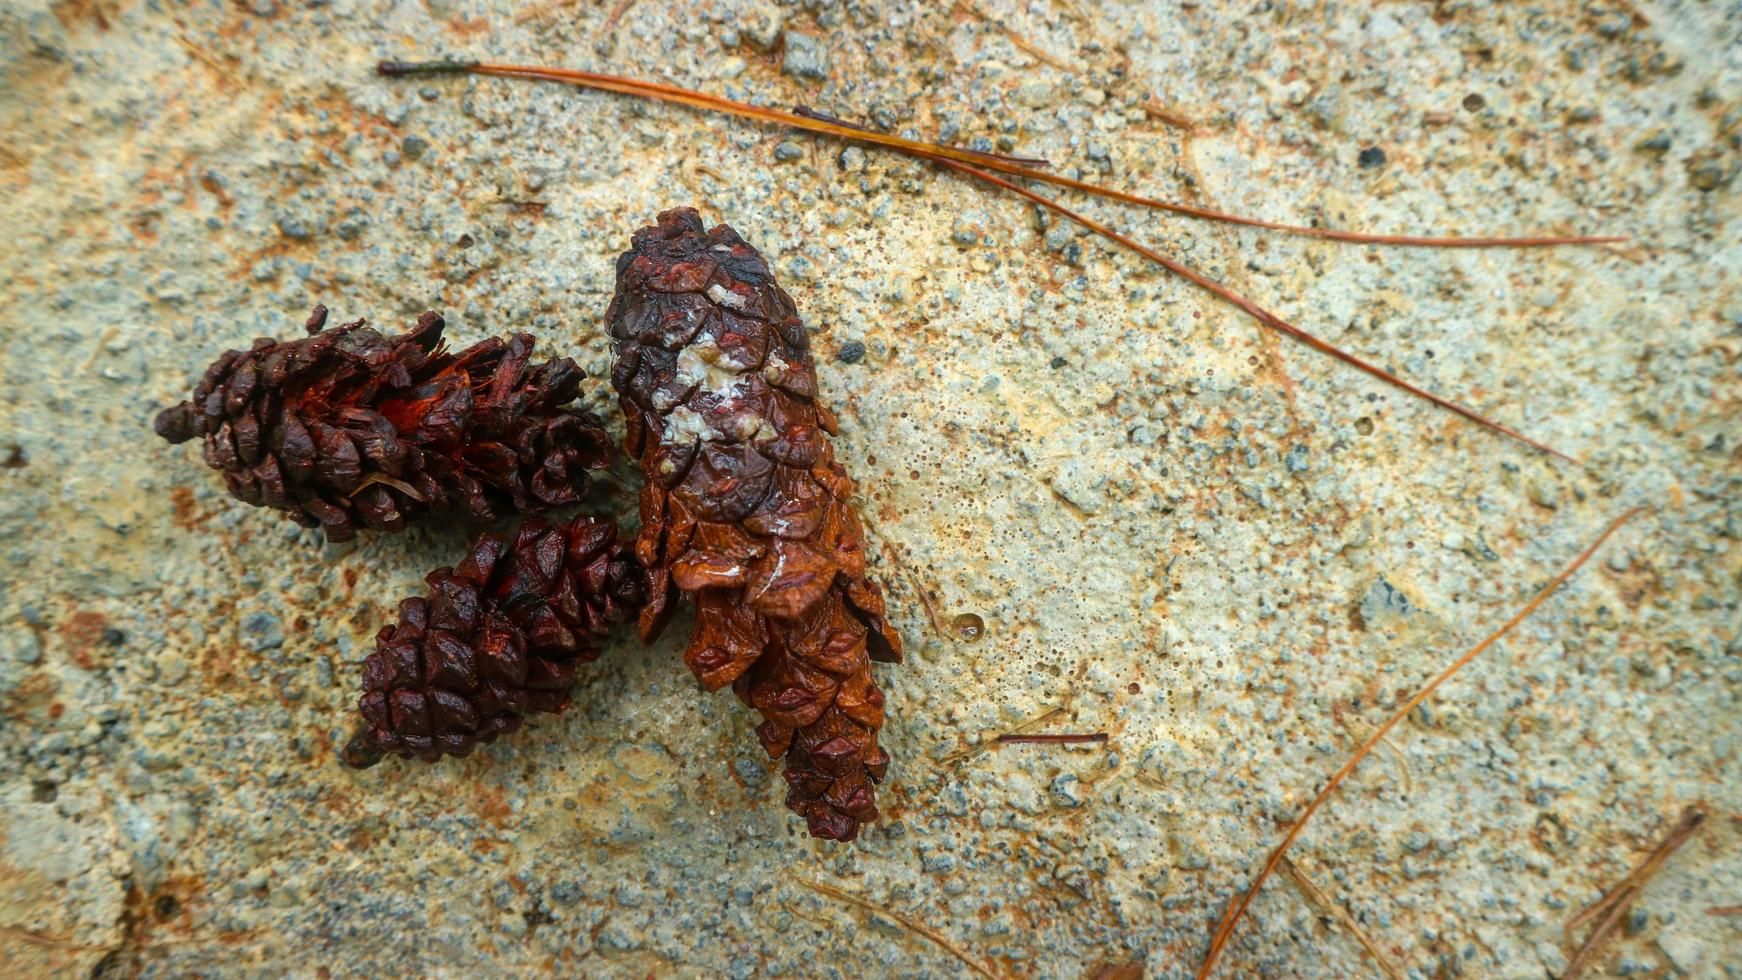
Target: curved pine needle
[
  {"x": 1613, "y": 906},
  {"x": 972, "y": 163},
  {"x": 1225, "y": 928},
  {"x": 1257, "y": 312},
  {"x": 1014, "y": 167},
  {"x": 909, "y": 921}
]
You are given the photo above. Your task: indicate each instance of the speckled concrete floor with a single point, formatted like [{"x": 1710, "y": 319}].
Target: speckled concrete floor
[{"x": 1231, "y": 554}]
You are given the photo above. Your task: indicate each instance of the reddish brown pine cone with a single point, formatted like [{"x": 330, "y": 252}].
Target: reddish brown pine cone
[
  {"x": 495, "y": 639},
  {"x": 745, "y": 508},
  {"x": 347, "y": 427}
]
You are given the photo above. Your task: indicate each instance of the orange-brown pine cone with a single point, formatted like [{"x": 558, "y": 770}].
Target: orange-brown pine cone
[{"x": 745, "y": 508}]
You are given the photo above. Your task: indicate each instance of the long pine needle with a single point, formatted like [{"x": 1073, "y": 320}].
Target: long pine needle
[
  {"x": 982, "y": 166},
  {"x": 1013, "y": 167},
  {"x": 1225, "y": 928}
]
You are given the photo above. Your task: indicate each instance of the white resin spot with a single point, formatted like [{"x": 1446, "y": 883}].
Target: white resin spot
[
  {"x": 684, "y": 425},
  {"x": 775, "y": 368},
  {"x": 706, "y": 366},
  {"x": 725, "y": 297},
  {"x": 749, "y": 427}
]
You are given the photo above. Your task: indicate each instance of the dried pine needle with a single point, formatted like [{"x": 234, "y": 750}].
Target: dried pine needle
[
  {"x": 908, "y": 921},
  {"x": 683, "y": 96},
  {"x": 1317, "y": 896},
  {"x": 1259, "y": 313},
  {"x": 1237, "y": 908},
  {"x": 982, "y": 165},
  {"x": 1612, "y": 907}
]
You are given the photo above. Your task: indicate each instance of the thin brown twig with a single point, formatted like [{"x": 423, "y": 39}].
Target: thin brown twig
[
  {"x": 50, "y": 942},
  {"x": 815, "y": 920},
  {"x": 683, "y": 96},
  {"x": 47, "y": 942},
  {"x": 1317, "y": 896},
  {"x": 203, "y": 57},
  {"x": 968, "y": 163},
  {"x": 540, "y": 9},
  {"x": 1612, "y": 907},
  {"x": 919, "y": 589},
  {"x": 1690, "y": 821},
  {"x": 1225, "y": 928},
  {"x": 1354, "y": 733},
  {"x": 1017, "y": 39},
  {"x": 1725, "y": 910},
  {"x": 960, "y": 756},
  {"x": 894, "y": 556},
  {"x": 520, "y": 204},
  {"x": 1064, "y": 738},
  {"x": 616, "y": 15},
  {"x": 809, "y": 113},
  {"x": 1154, "y": 108},
  {"x": 914, "y": 925}
]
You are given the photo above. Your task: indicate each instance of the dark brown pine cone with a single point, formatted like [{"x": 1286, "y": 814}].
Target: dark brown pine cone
[
  {"x": 745, "y": 508},
  {"x": 494, "y": 639},
  {"x": 347, "y": 427}
]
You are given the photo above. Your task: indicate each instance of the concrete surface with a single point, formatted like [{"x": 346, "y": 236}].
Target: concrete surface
[{"x": 1230, "y": 553}]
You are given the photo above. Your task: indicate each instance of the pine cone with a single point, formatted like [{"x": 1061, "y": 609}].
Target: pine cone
[
  {"x": 745, "y": 508},
  {"x": 348, "y": 427},
  {"x": 496, "y": 638}
]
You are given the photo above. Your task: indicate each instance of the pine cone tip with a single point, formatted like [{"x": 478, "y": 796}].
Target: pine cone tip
[
  {"x": 361, "y": 751},
  {"x": 176, "y": 423}
]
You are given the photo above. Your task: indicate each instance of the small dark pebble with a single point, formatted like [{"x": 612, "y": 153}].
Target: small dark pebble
[
  {"x": 1474, "y": 102},
  {"x": 1657, "y": 144},
  {"x": 1058, "y": 362},
  {"x": 413, "y": 147},
  {"x": 1371, "y": 157},
  {"x": 851, "y": 352},
  {"x": 113, "y": 637}
]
